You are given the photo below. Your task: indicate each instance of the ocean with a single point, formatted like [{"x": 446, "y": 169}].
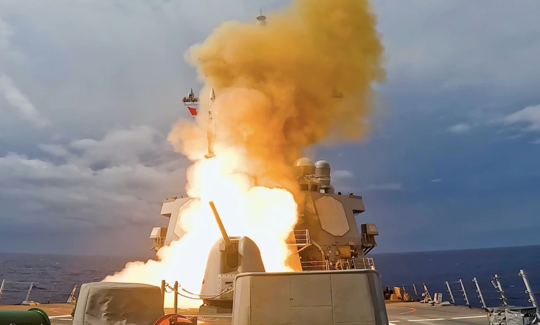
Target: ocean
[{"x": 54, "y": 276}]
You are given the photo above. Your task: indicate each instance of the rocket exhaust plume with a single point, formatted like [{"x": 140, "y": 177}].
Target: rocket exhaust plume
[
  {"x": 304, "y": 77},
  {"x": 211, "y": 133},
  {"x": 275, "y": 85}
]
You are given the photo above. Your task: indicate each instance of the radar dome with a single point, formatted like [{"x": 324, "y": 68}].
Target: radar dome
[
  {"x": 304, "y": 166},
  {"x": 322, "y": 168},
  {"x": 303, "y": 162}
]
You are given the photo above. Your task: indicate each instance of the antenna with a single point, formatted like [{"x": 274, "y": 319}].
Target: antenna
[{"x": 261, "y": 19}]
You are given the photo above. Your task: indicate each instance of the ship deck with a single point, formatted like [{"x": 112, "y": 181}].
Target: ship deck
[{"x": 399, "y": 313}]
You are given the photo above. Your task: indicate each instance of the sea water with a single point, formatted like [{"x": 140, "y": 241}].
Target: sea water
[{"x": 54, "y": 276}]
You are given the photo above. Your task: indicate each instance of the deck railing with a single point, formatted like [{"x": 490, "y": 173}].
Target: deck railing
[
  {"x": 315, "y": 265},
  {"x": 6, "y": 286}
]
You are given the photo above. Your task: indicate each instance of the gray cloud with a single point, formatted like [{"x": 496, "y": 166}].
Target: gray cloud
[
  {"x": 14, "y": 98},
  {"x": 126, "y": 188},
  {"x": 438, "y": 180},
  {"x": 426, "y": 43},
  {"x": 460, "y": 128},
  {"x": 529, "y": 116},
  {"x": 20, "y": 102},
  {"x": 515, "y": 136},
  {"x": 8, "y": 51},
  {"x": 54, "y": 149},
  {"x": 120, "y": 147}
]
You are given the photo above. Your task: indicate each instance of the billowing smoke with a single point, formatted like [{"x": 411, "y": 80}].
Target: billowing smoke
[
  {"x": 276, "y": 85},
  {"x": 304, "y": 77}
]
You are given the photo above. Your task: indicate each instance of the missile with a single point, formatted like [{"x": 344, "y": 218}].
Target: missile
[{"x": 210, "y": 132}]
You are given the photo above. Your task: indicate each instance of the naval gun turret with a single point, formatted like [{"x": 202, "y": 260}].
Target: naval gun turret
[{"x": 228, "y": 257}]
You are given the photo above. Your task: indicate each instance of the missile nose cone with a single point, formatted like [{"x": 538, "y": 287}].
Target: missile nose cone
[{"x": 212, "y": 94}]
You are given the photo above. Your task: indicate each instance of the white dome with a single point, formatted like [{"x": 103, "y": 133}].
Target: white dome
[
  {"x": 303, "y": 162},
  {"x": 304, "y": 166},
  {"x": 322, "y": 164}
]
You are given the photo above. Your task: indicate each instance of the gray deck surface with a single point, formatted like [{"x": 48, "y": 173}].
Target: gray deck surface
[
  {"x": 400, "y": 313},
  {"x": 409, "y": 313}
]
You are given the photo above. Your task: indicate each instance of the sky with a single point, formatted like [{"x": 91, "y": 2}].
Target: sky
[{"x": 89, "y": 90}]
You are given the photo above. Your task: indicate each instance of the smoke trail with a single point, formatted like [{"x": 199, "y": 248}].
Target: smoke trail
[{"x": 275, "y": 85}]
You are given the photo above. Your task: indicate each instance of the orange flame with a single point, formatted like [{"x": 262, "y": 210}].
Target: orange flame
[{"x": 267, "y": 216}]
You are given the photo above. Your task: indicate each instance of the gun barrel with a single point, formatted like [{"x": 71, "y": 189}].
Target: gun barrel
[{"x": 226, "y": 238}]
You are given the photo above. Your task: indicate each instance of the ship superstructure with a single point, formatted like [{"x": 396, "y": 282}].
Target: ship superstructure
[{"x": 326, "y": 236}]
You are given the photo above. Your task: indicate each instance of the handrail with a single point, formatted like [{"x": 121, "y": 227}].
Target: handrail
[
  {"x": 315, "y": 265},
  {"x": 301, "y": 238}
]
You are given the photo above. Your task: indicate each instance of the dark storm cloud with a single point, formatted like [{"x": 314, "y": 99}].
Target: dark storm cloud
[{"x": 127, "y": 189}]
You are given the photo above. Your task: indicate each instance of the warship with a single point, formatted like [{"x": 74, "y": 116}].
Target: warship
[{"x": 335, "y": 281}]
